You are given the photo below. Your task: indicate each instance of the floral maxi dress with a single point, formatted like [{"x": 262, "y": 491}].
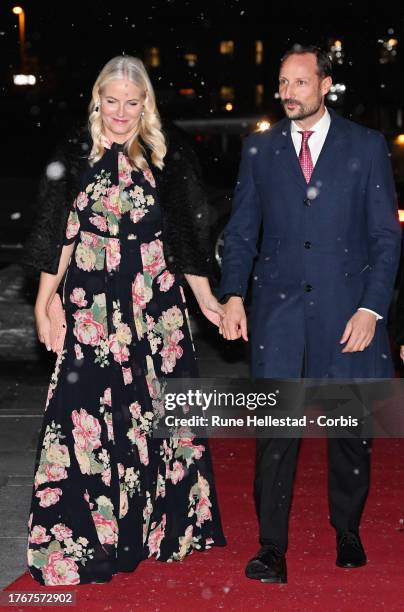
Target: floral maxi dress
[{"x": 107, "y": 494}]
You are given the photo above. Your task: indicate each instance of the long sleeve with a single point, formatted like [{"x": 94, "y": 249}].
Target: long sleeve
[
  {"x": 242, "y": 230},
  {"x": 384, "y": 232},
  {"x": 184, "y": 202},
  {"x": 58, "y": 187}
]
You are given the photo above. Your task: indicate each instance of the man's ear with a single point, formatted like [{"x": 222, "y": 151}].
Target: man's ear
[{"x": 326, "y": 85}]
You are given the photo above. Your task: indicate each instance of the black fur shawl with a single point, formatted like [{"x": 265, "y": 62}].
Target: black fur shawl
[{"x": 182, "y": 196}]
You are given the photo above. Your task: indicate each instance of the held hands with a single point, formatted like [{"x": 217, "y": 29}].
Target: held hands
[
  {"x": 234, "y": 323},
  {"x": 211, "y": 308},
  {"x": 359, "y": 332}
]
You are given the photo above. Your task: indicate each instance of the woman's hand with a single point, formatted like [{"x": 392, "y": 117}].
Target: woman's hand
[
  {"x": 212, "y": 310},
  {"x": 402, "y": 352},
  {"x": 43, "y": 327},
  {"x": 207, "y": 302}
]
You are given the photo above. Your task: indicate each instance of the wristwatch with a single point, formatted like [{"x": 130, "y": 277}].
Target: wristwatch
[{"x": 227, "y": 296}]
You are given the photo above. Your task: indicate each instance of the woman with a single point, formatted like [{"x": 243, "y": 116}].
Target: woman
[{"x": 106, "y": 493}]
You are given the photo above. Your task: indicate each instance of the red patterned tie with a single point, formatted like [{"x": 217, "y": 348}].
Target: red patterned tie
[{"x": 305, "y": 156}]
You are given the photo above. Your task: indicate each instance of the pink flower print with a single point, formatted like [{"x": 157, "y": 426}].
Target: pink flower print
[
  {"x": 87, "y": 430},
  {"x": 121, "y": 470},
  {"x": 49, "y": 496},
  {"x": 60, "y": 570},
  {"x": 77, "y": 297},
  {"x": 166, "y": 280},
  {"x": 127, "y": 376},
  {"x": 55, "y": 472},
  {"x": 124, "y": 171},
  {"x": 153, "y": 257},
  {"x": 135, "y": 410},
  {"x": 86, "y": 329},
  {"x": 110, "y": 201},
  {"x": 78, "y": 351},
  {"x": 73, "y": 225},
  {"x": 38, "y": 535},
  {"x": 61, "y": 532},
  {"x": 149, "y": 177},
  {"x": 113, "y": 253},
  {"x": 106, "y": 529},
  {"x": 203, "y": 511},
  {"x": 141, "y": 294},
  {"x": 100, "y": 222},
  {"x": 82, "y": 200},
  {"x": 177, "y": 473},
  {"x": 107, "y": 397},
  {"x": 119, "y": 351},
  {"x": 136, "y": 214},
  {"x": 156, "y": 535}
]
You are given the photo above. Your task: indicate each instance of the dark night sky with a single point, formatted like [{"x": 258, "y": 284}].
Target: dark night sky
[{"x": 72, "y": 42}]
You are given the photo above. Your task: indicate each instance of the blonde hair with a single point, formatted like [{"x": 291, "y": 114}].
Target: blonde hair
[{"x": 149, "y": 126}]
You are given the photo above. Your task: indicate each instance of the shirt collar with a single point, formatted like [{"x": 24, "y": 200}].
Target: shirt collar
[{"x": 321, "y": 126}]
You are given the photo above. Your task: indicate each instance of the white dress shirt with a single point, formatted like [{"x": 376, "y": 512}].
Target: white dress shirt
[{"x": 315, "y": 144}]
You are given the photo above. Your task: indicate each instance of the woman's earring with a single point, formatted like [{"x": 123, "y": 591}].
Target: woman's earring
[
  {"x": 142, "y": 114},
  {"x": 97, "y": 108}
]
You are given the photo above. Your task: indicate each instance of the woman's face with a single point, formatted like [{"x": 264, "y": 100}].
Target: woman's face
[{"x": 121, "y": 104}]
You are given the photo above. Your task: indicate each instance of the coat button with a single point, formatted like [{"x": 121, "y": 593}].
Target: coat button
[
  {"x": 307, "y": 244},
  {"x": 308, "y": 287},
  {"x": 307, "y": 202}
]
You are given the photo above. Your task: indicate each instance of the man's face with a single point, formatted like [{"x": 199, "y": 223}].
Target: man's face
[{"x": 301, "y": 89}]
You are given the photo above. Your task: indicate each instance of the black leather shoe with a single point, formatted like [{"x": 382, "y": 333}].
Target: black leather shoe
[
  {"x": 268, "y": 565},
  {"x": 350, "y": 552}
]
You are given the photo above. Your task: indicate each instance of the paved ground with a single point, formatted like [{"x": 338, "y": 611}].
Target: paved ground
[{"x": 25, "y": 369}]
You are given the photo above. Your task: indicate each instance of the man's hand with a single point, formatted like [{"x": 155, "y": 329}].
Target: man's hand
[
  {"x": 234, "y": 323},
  {"x": 359, "y": 332}
]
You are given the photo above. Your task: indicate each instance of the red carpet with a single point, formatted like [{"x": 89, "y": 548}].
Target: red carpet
[{"x": 215, "y": 580}]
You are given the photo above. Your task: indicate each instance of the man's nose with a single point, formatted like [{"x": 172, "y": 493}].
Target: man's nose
[{"x": 288, "y": 91}]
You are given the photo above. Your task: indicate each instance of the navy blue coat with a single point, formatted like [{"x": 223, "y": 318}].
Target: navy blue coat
[{"x": 326, "y": 249}]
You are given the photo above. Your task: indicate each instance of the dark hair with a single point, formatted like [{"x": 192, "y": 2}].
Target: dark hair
[{"x": 324, "y": 65}]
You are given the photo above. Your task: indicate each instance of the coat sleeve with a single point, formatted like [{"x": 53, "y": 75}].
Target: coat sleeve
[
  {"x": 43, "y": 245},
  {"x": 399, "y": 318},
  {"x": 384, "y": 231},
  {"x": 186, "y": 222},
  {"x": 58, "y": 188},
  {"x": 242, "y": 231}
]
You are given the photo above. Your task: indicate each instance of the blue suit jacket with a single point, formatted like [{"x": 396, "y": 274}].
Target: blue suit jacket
[{"x": 327, "y": 248}]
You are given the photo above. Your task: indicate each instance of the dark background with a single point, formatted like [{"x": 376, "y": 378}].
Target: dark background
[{"x": 67, "y": 45}]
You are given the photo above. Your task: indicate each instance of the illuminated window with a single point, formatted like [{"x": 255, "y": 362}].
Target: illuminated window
[
  {"x": 259, "y": 95},
  {"x": 227, "y": 47},
  {"x": 188, "y": 92},
  {"x": 336, "y": 52},
  {"x": 153, "y": 57},
  {"x": 191, "y": 58},
  {"x": 259, "y": 51},
  {"x": 227, "y": 93},
  {"x": 388, "y": 49}
]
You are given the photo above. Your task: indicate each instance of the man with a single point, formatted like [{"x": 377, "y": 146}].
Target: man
[{"x": 321, "y": 189}]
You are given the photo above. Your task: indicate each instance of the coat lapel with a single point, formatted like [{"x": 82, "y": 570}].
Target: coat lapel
[
  {"x": 286, "y": 153},
  {"x": 330, "y": 152}
]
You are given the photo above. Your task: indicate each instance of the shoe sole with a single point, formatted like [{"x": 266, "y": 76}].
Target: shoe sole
[
  {"x": 350, "y": 565},
  {"x": 269, "y": 580},
  {"x": 263, "y": 577}
]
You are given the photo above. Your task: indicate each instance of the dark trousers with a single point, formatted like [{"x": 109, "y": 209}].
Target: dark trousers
[{"x": 348, "y": 484}]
